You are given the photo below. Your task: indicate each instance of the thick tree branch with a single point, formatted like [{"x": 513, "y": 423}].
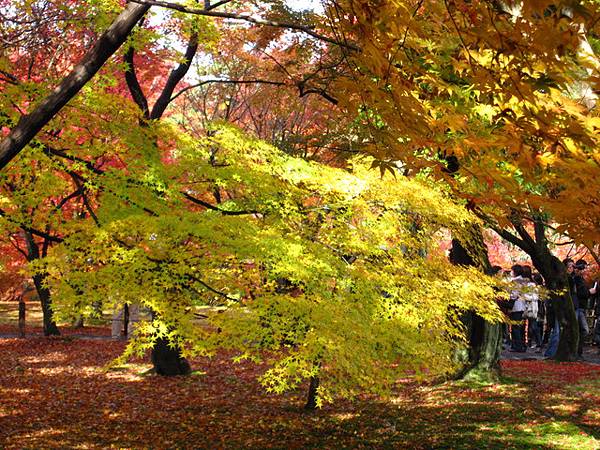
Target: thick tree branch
[
  {"x": 29, "y": 229},
  {"x": 504, "y": 234},
  {"x": 523, "y": 233},
  {"x": 247, "y": 18},
  {"x": 539, "y": 228},
  {"x": 207, "y": 205},
  {"x": 134, "y": 85},
  {"x": 72, "y": 195},
  {"x": 110, "y": 41},
  {"x": 508, "y": 236},
  {"x": 175, "y": 77}
]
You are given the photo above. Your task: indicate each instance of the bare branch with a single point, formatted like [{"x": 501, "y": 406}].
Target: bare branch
[
  {"x": 247, "y": 18},
  {"x": 202, "y": 83}
]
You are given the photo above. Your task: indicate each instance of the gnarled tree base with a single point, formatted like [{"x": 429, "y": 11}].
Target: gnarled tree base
[{"x": 167, "y": 360}]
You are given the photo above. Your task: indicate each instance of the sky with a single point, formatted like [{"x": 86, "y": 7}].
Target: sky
[{"x": 304, "y": 4}]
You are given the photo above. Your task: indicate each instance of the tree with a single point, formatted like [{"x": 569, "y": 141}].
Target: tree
[
  {"x": 480, "y": 358},
  {"x": 333, "y": 268},
  {"x": 30, "y": 124},
  {"x": 107, "y": 44},
  {"x": 476, "y": 94},
  {"x": 197, "y": 32},
  {"x": 535, "y": 244}
]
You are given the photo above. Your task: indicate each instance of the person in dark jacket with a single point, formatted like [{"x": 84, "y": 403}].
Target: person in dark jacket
[
  {"x": 583, "y": 294},
  {"x": 596, "y": 337}
]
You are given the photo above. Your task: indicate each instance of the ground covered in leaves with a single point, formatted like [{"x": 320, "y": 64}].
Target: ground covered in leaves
[{"x": 54, "y": 393}]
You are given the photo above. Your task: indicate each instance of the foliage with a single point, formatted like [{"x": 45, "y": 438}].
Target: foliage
[
  {"x": 504, "y": 90},
  {"x": 337, "y": 267},
  {"x": 55, "y": 394}
]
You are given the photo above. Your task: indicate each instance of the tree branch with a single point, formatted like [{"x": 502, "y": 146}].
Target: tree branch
[
  {"x": 508, "y": 236},
  {"x": 9, "y": 78},
  {"x": 16, "y": 246},
  {"x": 207, "y": 205},
  {"x": 320, "y": 92},
  {"x": 202, "y": 83},
  {"x": 539, "y": 228},
  {"x": 247, "y": 18},
  {"x": 86, "y": 203},
  {"x": 525, "y": 236},
  {"x": 110, "y": 41},
  {"x": 212, "y": 289},
  {"x": 29, "y": 229},
  {"x": 134, "y": 85},
  {"x": 90, "y": 166},
  {"x": 175, "y": 77}
]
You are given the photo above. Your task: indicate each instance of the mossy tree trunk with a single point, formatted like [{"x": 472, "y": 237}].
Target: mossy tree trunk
[{"x": 480, "y": 360}]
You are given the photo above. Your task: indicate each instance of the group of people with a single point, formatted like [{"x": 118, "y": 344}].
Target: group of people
[{"x": 533, "y": 321}]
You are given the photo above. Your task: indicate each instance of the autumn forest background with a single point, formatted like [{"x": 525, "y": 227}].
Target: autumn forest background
[{"x": 268, "y": 224}]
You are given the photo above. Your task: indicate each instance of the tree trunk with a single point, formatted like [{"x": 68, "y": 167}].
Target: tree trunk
[
  {"x": 21, "y": 318},
  {"x": 110, "y": 41},
  {"x": 33, "y": 253},
  {"x": 50, "y": 328},
  {"x": 480, "y": 361},
  {"x": 311, "y": 400},
  {"x": 555, "y": 276},
  {"x": 126, "y": 329},
  {"x": 167, "y": 359}
]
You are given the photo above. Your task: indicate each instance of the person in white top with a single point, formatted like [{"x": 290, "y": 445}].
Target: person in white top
[
  {"x": 517, "y": 335},
  {"x": 532, "y": 298}
]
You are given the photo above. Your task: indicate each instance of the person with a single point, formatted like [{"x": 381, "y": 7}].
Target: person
[
  {"x": 517, "y": 335},
  {"x": 555, "y": 333},
  {"x": 583, "y": 294},
  {"x": 531, "y": 297},
  {"x": 536, "y": 322},
  {"x": 596, "y": 337}
]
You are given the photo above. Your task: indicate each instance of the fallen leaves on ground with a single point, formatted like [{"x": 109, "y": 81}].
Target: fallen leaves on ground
[{"x": 54, "y": 393}]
